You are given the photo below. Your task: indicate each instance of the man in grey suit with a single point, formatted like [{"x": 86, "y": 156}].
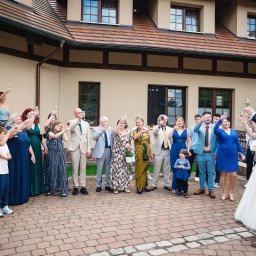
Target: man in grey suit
[
  {"x": 205, "y": 150},
  {"x": 161, "y": 149},
  {"x": 80, "y": 148},
  {"x": 103, "y": 135}
]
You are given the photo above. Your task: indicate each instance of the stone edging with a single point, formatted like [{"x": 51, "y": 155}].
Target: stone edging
[{"x": 180, "y": 244}]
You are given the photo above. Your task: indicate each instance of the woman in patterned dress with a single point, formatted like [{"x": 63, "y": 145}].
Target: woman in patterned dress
[
  {"x": 119, "y": 173},
  {"x": 143, "y": 154}
]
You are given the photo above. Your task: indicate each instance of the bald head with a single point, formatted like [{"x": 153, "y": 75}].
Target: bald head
[
  {"x": 79, "y": 113},
  {"x": 104, "y": 121}
]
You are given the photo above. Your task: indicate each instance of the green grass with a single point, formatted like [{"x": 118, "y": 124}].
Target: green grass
[{"x": 91, "y": 170}]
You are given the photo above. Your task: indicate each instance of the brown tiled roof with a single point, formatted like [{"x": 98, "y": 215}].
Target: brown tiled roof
[
  {"x": 144, "y": 34},
  {"x": 59, "y": 8},
  {"x": 41, "y": 18}
]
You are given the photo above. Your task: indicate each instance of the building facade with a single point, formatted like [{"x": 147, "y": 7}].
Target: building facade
[{"x": 129, "y": 57}]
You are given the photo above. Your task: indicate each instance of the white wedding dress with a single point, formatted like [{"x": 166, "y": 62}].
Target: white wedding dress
[{"x": 246, "y": 210}]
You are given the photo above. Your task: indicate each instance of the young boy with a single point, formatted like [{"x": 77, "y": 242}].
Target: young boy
[
  {"x": 4, "y": 176},
  {"x": 183, "y": 166}
]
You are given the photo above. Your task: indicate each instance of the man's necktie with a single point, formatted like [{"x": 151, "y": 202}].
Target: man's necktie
[
  {"x": 206, "y": 141},
  {"x": 165, "y": 138},
  {"x": 80, "y": 127},
  {"x": 106, "y": 139}
]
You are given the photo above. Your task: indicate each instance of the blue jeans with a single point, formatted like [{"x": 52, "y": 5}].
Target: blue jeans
[
  {"x": 206, "y": 164},
  {"x": 4, "y": 190}
]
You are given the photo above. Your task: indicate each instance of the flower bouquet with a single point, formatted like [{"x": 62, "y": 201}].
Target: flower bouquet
[{"x": 129, "y": 155}]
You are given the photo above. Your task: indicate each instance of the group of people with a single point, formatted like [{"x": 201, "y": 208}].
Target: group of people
[{"x": 33, "y": 162}]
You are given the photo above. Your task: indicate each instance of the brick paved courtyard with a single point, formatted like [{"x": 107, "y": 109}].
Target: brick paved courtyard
[{"x": 104, "y": 224}]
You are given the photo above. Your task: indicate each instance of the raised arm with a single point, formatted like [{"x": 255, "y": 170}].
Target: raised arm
[{"x": 217, "y": 126}]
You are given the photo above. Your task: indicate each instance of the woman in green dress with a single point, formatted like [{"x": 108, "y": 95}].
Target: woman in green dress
[
  {"x": 143, "y": 154},
  {"x": 35, "y": 169}
]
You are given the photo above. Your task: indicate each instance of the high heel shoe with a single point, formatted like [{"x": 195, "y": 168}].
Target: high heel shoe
[
  {"x": 231, "y": 197},
  {"x": 139, "y": 190}
]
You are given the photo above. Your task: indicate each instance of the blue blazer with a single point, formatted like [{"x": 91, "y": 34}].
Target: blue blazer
[
  {"x": 254, "y": 118},
  {"x": 199, "y": 147}
]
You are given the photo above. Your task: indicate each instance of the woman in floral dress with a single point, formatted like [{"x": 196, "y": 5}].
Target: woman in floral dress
[
  {"x": 119, "y": 173},
  {"x": 143, "y": 154}
]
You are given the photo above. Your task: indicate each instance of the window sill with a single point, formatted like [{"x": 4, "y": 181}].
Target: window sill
[
  {"x": 99, "y": 23},
  {"x": 190, "y": 32}
]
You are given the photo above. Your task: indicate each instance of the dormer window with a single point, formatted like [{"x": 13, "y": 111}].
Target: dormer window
[
  {"x": 99, "y": 11},
  {"x": 251, "y": 26},
  {"x": 184, "y": 19}
]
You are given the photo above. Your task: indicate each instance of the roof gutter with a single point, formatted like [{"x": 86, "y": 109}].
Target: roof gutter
[{"x": 38, "y": 72}]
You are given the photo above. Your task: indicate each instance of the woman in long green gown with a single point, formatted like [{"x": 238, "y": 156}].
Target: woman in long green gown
[
  {"x": 143, "y": 154},
  {"x": 35, "y": 170}
]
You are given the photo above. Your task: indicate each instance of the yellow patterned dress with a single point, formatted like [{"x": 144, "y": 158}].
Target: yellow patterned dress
[{"x": 142, "y": 157}]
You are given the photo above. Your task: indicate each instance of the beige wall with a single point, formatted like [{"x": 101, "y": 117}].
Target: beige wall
[
  {"x": 74, "y": 10},
  {"x": 198, "y": 64},
  {"x": 125, "y": 12},
  {"x": 13, "y": 41},
  {"x": 161, "y": 13},
  {"x": 162, "y": 61},
  {"x": 45, "y": 49},
  {"x": 86, "y": 56},
  {"x": 121, "y": 58},
  {"x": 230, "y": 66},
  {"x": 26, "y": 2},
  {"x": 59, "y": 86}
]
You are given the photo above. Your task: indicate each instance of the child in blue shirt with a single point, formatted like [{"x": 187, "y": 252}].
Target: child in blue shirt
[{"x": 183, "y": 166}]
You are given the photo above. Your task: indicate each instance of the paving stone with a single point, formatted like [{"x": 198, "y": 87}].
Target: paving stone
[
  {"x": 233, "y": 236},
  {"x": 221, "y": 239},
  {"x": 193, "y": 245},
  {"x": 117, "y": 251},
  {"x": 177, "y": 240},
  {"x": 100, "y": 254},
  {"x": 143, "y": 247},
  {"x": 240, "y": 229},
  {"x": 207, "y": 241},
  {"x": 164, "y": 243},
  {"x": 158, "y": 252},
  {"x": 177, "y": 248},
  {"x": 140, "y": 254},
  {"x": 205, "y": 236},
  {"x": 228, "y": 231},
  {"x": 217, "y": 233},
  {"x": 246, "y": 234},
  {"x": 129, "y": 249},
  {"x": 191, "y": 238}
]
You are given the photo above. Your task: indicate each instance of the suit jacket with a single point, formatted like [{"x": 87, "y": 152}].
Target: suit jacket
[
  {"x": 78, "y": 138},
  {"x": 199, "y": 147},
  {"x": 254, "y": 118},
  {"x": 98, "y": 136},
  {"x": 158, "y": 139}
]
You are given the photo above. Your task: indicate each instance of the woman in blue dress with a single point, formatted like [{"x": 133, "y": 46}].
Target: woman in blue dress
[
  {"x": 228, "y": 151},
  {"x": 181, "y": 140},
  {"x": 19, "y": 146}
]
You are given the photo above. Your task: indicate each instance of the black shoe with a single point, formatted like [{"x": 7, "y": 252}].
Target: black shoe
[
  {"x": 139, "y": 191},
  {"x": 186, "y": 195},
  {"x": 75, "y": 191},
  {"x": 178, "y": 193},
  {"x": 108, "y": 189},
  {"x": 167, "y": 188},
  {"x": 153, "y": 188},
  {"x": 84, "y": 191},
  {"x": 98, "y": 189},
  {"x": 147, "y": 189},
  {"x": 63, "y": 195}
]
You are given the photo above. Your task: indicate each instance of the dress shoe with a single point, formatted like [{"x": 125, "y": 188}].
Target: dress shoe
[
  {"x": 178, "y": 193},
  {"x": 199, "y": 192},
  {"x": 146, "y": 189},
  {"x": 127, "y": 190},
  {"x": 84, "y": 191},
  {"x": 75, "y": 191},
  {"x": 98, "y": 189},
  {"x": 139, "y": 191},
  {"x": 153, "y": 188},
  {"x": 211, "y": 194},
  {"x": 167, "y": 188},
  {"x": 115, "y": 191},
  {"x": 186, "y": 195},
  {"x": 108, "y": 189}
]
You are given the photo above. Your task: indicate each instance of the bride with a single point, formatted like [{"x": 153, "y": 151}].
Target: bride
[{"x": 246, "y": 210}]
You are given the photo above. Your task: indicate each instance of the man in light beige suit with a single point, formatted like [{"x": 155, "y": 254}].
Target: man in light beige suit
[
  {"x": 80, "y": 148},
  {"x": 161, "y": 149}
]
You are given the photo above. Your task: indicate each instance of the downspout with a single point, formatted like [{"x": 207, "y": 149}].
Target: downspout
[{"x": 38, "y": 70}]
